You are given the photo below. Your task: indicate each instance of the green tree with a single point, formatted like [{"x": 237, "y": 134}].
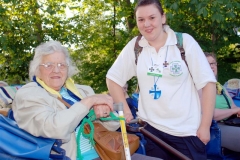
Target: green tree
[
  {"x": 16, "y": 26},
  {"x": 23, "y": 26},
  {"x": 97, "y": 31},
  {"x": 104, "y": 27},
  {"x": 211, "y": 23}
]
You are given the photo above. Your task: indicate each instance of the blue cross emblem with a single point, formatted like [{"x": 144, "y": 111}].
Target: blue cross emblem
[{"x": 156, "y": 93}]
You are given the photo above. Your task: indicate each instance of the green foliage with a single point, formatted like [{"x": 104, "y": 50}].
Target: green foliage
[
  {"x": 102, "y": 38},
  {"x": 211, "y": 23},
  {"x": 97, "y": 31},
  {"x": 229, "y": 63},
  {"x": 16, "y": 26},
  {"x": 24, "y": 25}
]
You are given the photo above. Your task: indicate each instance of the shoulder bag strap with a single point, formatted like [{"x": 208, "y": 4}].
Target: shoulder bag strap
[
  {"x": 64, "y": 102},
  {"x": 225, "y": 96}
]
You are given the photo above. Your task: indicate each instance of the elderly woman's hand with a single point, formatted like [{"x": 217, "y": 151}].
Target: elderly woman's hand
[
  {"x": 101, "y": 103},
  {"x": 101, "y": 110}
]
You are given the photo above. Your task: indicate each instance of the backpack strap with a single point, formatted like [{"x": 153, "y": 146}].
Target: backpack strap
[
  {"x": 180, "y": 46},
  {"x": 137, "y": 48}
]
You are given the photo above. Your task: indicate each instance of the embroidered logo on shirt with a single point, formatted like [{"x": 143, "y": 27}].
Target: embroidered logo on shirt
[{"x": 175, "y": 68}]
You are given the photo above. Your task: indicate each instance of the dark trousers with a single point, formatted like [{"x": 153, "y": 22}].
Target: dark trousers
[{"x": 191, "y": 146}]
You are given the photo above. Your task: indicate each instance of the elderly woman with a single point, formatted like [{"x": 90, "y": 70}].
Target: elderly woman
[
  {"x": 38, "y": 106},
  {"x": 224, "y": 108}
]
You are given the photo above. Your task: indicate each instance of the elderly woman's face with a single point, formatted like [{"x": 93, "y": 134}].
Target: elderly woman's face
[
  {"x": 213, "y": 64},
  {"x": 52, "y": 70}
]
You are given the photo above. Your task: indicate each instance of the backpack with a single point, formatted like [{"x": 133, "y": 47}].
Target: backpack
[{"x": 138, "y": 49}]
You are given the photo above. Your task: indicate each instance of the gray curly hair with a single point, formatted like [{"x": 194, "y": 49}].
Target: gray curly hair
[
  {"x": 211, "y": 54},
  {"x": 46, "y": 48}
]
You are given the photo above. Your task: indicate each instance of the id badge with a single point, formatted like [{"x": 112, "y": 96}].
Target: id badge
[{"x": 155, "y": 71}]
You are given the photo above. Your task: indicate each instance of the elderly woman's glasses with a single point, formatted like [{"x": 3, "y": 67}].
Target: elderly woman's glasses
[
  {"x": 213, "y": 64},
  {"x": 50, "y": 66}
]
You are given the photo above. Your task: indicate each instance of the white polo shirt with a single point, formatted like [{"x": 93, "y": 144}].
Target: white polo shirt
[{"x": 177, "y": 111}]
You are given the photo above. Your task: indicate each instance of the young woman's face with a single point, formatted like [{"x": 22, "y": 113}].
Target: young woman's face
[
  {"x": 213, "y": 64},
  {"x": 150, "y": 21}
]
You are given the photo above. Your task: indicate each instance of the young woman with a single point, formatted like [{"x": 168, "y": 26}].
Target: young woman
[{"x": 169, "y": 100}]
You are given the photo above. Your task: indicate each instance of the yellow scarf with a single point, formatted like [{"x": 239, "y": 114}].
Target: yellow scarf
[
  {"x": 69, "y": 84},
  {"x": 219, "y": 88}
]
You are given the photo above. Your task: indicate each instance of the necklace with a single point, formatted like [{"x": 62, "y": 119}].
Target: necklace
[{"x": 154, "y": 90}]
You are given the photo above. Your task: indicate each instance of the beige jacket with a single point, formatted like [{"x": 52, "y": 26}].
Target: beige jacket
[{"x": 42, "y": 114}]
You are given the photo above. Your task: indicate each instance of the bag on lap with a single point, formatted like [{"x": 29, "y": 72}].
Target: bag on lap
[
  {"x": 109, "y": 144},
  {"x": 233, "y": 121}
]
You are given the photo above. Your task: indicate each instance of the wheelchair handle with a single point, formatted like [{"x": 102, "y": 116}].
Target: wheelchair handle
[{"x": 141, "y": 124}]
